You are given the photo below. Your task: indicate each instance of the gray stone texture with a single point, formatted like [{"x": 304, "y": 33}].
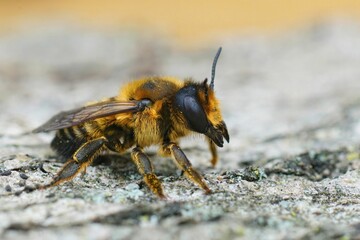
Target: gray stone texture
[{"x": 291, "y": 170}]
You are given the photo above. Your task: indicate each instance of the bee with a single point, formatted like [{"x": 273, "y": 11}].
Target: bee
[{"x": 149, "y": 111}]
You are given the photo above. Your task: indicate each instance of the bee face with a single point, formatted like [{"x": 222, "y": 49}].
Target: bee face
[{"x": 199, "y": 108}]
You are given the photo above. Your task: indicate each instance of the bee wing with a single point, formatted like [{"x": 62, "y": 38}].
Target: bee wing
[{"x": 80, "y": 115}]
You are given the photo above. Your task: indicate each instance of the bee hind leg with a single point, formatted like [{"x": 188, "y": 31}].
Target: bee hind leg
[
  {"x": 146, "y": 169},
  {"x": 78, "y": 163},
  {"x": 184, "y": 164}
]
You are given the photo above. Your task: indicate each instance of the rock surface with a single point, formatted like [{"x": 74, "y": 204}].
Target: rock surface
[{"x": 291, "y": 170}]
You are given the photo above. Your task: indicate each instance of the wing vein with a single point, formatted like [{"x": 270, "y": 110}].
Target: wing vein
[{"x": 83, "y": 114}]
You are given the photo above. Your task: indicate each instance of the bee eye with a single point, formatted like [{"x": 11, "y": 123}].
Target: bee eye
[
  {"x": 187, "y": 102},
  {"x": 195, "y": 115}
]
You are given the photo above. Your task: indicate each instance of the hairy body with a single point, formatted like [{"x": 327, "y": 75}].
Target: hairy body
[{"x": 150, "y": 111}]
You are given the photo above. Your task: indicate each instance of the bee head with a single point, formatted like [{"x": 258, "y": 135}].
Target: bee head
[{"x": 200, "y": 108}]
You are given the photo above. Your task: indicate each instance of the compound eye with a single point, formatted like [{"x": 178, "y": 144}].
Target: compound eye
[{"x": 195, "y": 114}]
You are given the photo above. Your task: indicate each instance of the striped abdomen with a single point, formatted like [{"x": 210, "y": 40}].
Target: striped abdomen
[{"x": 68, "y": 140}]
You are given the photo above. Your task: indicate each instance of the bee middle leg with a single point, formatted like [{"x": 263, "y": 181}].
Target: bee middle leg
[
  {"x": 184, "y": 164},
  {"x": 146, "y": 169},
  {"x": 79, "y": 161}
]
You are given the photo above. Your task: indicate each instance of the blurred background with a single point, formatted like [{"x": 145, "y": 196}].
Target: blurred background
[{"x": 184, "y": 22}]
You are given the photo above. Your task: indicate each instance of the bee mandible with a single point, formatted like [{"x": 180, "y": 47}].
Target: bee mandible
[{"x": 149, "y": 111}]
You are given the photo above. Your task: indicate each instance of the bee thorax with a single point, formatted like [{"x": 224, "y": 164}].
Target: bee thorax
[{"x": 147, "y": 128}]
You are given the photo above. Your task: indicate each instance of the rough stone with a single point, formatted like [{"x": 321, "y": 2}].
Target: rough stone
[{"x": 291, "y": 170}]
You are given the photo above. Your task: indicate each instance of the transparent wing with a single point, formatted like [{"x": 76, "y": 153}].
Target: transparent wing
[{"x": 80, "y": 115}]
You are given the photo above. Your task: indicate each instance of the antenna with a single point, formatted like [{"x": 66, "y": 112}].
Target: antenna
[{"x": 214, "y": 67}]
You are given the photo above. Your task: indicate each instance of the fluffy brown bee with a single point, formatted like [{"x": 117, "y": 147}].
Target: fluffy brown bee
[{"x": 149, "y": 111}]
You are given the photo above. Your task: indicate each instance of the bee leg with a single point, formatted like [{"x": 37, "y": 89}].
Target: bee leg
[
  {"x": 83, "y": 173},
  {"x": 213, "y": 151},
  {"x": 146, "y": 169},
  {"x": 79, "y": 161},
  {"x": 184, "y": 164}
]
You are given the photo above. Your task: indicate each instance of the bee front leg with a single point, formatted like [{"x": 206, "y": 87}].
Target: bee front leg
[
  {"x": 184, "y": 164},
  {"x": 79, "y": 161},
  {"x": 146, "y": 169},
  {"x": 213, "y": 150}
]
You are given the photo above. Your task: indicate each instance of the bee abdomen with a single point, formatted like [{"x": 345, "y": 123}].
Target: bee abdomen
[{"x": 67, "y": 141}]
